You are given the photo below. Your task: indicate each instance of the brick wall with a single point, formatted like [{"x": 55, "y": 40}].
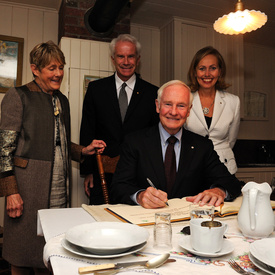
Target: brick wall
[{"x": 71, "y": 21}]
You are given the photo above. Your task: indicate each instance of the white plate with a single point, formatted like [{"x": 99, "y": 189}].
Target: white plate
[
  {"x": 264, "y": 251},
  {"x": 268, "y": 269},
  {"x": 82, "y": 252},
  {"x": 107, "y": 237},
  {"x": 227, "y": 247}
]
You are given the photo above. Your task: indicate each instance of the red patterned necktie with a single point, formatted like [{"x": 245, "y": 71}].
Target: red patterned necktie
[{"x": 170, "y": 164}]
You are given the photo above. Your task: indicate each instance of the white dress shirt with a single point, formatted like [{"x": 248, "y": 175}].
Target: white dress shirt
[{"x": 129, "y": 88}]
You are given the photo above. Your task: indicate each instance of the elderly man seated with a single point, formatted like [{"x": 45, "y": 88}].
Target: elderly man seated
[{"x": 178, "y": 162}]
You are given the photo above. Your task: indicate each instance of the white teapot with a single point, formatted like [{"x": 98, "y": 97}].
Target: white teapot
[{"x": 256, "y": 217}]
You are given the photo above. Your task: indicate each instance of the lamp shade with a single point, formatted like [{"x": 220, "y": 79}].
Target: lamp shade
[{"x": 240, "y": 22}]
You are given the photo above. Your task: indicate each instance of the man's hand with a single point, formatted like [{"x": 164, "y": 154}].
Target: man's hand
[
  {"x": 96, "y": 144},
  {"x": 88, "y": 183},
  {"x": 214, "y": 196},
  {"x": 14, "y": 206},
  {"x": 152, "y": 198}
]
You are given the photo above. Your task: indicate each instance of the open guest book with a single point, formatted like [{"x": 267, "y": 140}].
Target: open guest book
[{"x": 178, "y": 208}]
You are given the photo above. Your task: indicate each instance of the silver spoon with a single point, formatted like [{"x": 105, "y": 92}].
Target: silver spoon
[{"x": 152, "y": 263}]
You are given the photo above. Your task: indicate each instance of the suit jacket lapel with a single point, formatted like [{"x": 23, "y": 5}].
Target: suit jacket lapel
[
  {"x": 154, "y": 153},
  {"x": 112, "y": 95},
  {"x": 136, "y": 96},
  {"x": 218, "y": 109},
  {"x": 186, "y": 156}
]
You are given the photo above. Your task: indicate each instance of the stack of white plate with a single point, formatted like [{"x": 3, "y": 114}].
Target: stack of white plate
[
  {"x": 105, "y": 239},
  {"x": 262, "y": 254}
]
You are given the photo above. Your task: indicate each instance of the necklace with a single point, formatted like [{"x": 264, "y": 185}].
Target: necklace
[
  {"x": 56, "y": 109},
  {"x": 206, "y": 110}
]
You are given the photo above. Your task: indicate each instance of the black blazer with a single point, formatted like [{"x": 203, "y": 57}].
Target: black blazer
[
  {"x": 101, "y": 117},
  {"x": 141, "y": 158}
]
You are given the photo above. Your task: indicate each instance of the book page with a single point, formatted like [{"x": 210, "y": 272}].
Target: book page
[
  {"x": 136, "y": 214},
  {"x": 178, "y": 208},
  {"x": 231, "y": 207}
]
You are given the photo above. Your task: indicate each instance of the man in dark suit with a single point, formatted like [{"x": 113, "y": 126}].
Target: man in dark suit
[
  {"x": 198, "y": 170},
  {"x": 111, "y": 112}
]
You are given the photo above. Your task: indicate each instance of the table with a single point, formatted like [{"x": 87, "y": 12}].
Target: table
[{"x": 53, "y": 223}]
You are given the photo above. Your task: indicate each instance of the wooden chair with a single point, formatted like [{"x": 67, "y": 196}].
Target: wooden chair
[{"x": 105, "y": 165}]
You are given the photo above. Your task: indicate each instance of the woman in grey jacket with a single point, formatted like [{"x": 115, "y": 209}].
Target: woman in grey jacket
[{"x": 35, "y": 157}]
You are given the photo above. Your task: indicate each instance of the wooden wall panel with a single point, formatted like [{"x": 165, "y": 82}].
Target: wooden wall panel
[
  {"x": 65, "y": 46},
  {"x": 5, "y": 19},
  {"x": 20, "y": 29},
  {"x": 256, "y": 174},
  {"x": 85, "y": 54},
  {"x": 94, "y": 57},
  {"x": 145, "y": 62},
  {"x": 155, "y": 54},
  {"x": 259, "y": 76},
  {"x": 231, "y": 48},
  {"x": 167, "y": 52},
  {"x": 149, "y": 39},
  {"x": 50, "y": 26},
  {"x": 104, "y": 57},
  {"x": 35, "y": 28},
  {"x": 75, "y": 54},
  {"x": 74, "y": 102},
  {"x": 75, "y": 97}
]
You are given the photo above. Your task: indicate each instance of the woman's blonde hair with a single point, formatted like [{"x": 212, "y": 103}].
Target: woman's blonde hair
[
  {"x": 43, "y": 53},
  {"x": 192, "y": 78}
]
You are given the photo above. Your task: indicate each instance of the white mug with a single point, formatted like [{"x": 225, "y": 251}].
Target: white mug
[{"x": 206, "y": 239}]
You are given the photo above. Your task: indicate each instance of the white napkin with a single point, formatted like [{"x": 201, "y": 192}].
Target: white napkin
[{"x": 53, "y": 248}]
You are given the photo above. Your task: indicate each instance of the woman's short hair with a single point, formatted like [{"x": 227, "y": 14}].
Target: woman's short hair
[
  {"x": 192, "y": 79},
  {"x": 125, "y": 38},
  {"x": 173, "y": 82},
  {"x": 43, "y": 53}
]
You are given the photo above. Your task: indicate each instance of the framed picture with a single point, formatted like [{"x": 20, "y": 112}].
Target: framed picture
[
  {"x": 87, "y": 80},
  {"x": 255, "y": 105},
  {"x": 11, "y": 62}
]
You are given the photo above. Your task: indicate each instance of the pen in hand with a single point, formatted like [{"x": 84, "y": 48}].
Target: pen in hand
[{"x": 152, "y": 185}]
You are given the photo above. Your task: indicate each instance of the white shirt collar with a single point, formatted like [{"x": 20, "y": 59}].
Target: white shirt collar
[{"x": 130, "y": 82}]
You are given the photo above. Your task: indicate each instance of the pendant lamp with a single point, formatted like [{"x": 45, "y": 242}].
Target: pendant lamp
[{"x": 240, "y": 21}]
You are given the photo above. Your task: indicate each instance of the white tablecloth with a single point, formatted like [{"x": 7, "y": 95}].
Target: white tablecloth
[{"x": 53, "y": 223}]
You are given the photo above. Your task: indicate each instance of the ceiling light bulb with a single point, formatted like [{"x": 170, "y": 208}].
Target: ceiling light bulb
[{"x": 240, "y": 21}]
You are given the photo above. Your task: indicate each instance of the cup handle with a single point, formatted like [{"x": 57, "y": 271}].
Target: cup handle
[{"x": 225, "y": 228}]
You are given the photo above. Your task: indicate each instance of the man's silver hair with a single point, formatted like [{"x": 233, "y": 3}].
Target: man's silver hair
[
  {"x": 174, "y": 82},
  {"x": 123, "y": 38}
]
